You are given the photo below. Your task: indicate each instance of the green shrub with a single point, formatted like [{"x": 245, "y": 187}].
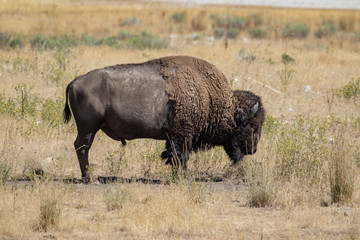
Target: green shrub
[
  {"x": 124, "y": 35},
  {"x": 356, "y": 36},
  {"x": 130, "y": 21},
  {"x": 63, "y": 42},
  {"x": 256, "y": 20},
  {"x": 298, "y": 30},
  {"x": 302, "y": 149},
  {"x": 146, "y": 40},
  {"x": 41, "y": 42},
  {"x": 229, "y": 22},
  {"x": 178, "y": 17},
  {"x": 219, "y": 32},
  {"x": 286, "y": 59},
  {"x": 233, "y": 33},
  {"x": 111, "y": 41},
  {"x": 222, "y": 32},
  {"x": 89, "y": 40},
  {"x": 327, "y": 29},
  {"x": 257, "y": 33},
  {"x": 16, "y": 42}
]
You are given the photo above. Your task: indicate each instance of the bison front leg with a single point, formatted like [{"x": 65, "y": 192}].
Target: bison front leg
[
  {"x": 235, "y": 153},
  {"x": 177, "y": 153},
  {"x": 82, "y": 146}
]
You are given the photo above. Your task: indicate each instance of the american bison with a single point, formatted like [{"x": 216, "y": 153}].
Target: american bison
[{"x": 183, "y": 100}]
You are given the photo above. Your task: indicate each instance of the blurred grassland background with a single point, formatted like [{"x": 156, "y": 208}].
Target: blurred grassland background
[{"x": 302, "y": 183}]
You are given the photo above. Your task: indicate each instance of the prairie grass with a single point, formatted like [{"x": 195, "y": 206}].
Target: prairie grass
[{"x": 302, "y": 183}]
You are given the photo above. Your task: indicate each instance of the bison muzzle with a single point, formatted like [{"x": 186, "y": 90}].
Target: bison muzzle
[{"x": 183, "y": 100}]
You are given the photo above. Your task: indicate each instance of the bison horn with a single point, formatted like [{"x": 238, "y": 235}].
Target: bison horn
[{"x": 254, "y": 110}]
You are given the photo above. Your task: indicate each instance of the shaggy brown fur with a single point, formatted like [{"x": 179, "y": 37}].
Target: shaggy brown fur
[{"x": 202, "y": 98}]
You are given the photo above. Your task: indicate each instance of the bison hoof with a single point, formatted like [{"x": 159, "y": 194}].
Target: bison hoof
[{"x": 86, "y": 179}]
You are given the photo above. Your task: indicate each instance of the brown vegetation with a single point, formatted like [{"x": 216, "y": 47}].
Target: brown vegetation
[{"x": 302, "y": 183}]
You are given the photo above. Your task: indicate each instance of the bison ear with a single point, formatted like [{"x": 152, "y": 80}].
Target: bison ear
[{"x": 254, "y": 110}]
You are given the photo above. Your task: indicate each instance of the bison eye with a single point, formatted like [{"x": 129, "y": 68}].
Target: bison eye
[{"x": 245, "y": 122}]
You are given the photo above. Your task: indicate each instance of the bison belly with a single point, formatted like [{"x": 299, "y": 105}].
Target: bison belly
[{"x": 138, "y": 107}]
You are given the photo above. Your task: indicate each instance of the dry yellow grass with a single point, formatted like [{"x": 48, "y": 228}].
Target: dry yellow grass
[{"x": 295, "y": 207}]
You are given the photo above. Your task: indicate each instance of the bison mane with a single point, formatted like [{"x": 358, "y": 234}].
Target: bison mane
[{"x": 201, "y": 96}]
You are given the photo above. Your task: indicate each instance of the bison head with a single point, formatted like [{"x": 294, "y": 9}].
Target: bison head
[{"x": 249, "y": 116}]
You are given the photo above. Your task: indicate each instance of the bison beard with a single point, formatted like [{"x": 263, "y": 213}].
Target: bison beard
[{"x": 183, "y": 100}]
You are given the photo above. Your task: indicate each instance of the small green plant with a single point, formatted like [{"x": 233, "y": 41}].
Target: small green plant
[
  {"x": 271, "y": 124},
  {"x": 130, "y": 21},
  {"x": 179, "y": 17},
  {"x": 58, "y": 70},
  {"x": 5, "y": 169},
  {"x": 50, "y": 212},
  {"x": 7, "y": 106},
  {"x": 356, "y": 36},
  {"x": 327, "y": 29},
  {"x": 286, "y": 58},
  {"x": 116, "y": 197},
  {"x": 257, "y": 33},
  {"x": 350, "y": 90},
  {"x": 286, "y": 75},
  {"x": 296, "y": 30},
  {"x": 26, "y": 102},
  {"x": 51, "y": 111},
  {"x": 115, "y": 160},
  {"x": 341, "y": 174}
]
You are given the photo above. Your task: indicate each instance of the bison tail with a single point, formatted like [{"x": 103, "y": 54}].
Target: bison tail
[{"x": 67, "y": 112}]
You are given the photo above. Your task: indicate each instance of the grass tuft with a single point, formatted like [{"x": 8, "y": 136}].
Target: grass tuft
[{"x": 341, "y": 173}]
